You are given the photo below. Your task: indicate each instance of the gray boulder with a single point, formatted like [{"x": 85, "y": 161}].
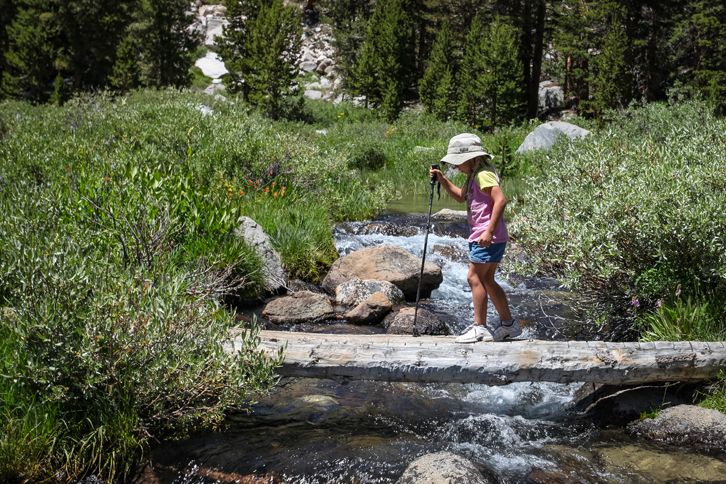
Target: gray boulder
[
  {"x": 385, "y": 263},
  {"x": 442, "y": 468},
  {"x": 308, "y": 66},
  {"x": 427, "y": 322},
  {"x": 274, "y": 275},
  {"x": 215, "y": 28},
  {"x": 313, "y": 94},
  {"x": 685, "y": 425},
  {"x": 448, "y": 215},
  {"x": 370, "y": 311},
  {"x": 545, "y": 135},
  {"x": 551, "y": 96},
  {"x": 355, "y": 291},
  {"x": 301, "y": 307}
]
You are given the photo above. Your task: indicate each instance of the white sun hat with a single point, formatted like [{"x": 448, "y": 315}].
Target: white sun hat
[{"x": 463, "y": 147}]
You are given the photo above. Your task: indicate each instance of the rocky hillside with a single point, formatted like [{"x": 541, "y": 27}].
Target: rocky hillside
[{"x": 316, "y": 59}]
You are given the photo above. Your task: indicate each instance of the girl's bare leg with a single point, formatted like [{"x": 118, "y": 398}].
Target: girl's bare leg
[
  {"x": 485, "y": 274},
  {"x": 478, "y": 294}
]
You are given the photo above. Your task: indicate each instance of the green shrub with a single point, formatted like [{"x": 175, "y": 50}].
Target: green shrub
[
  {"x": 368, "y": 157},
  {"x": 635, "y": 210}
]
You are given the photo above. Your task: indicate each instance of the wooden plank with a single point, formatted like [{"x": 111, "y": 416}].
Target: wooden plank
[{"x": 439, "y": 359}]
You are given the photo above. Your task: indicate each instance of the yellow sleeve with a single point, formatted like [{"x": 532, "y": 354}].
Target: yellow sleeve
[{"x": 486, "y": 179}]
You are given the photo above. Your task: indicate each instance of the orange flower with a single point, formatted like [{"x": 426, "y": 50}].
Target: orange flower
[
  {"x": 267, "y": 189},
  {"x": 273, "y": 184},
  {"x": 274, "y": 194}
]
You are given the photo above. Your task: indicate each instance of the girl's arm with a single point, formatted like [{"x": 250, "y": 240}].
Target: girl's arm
[
  {"x": 500, "y": 201},
  {"x": 452, "y": 189}
]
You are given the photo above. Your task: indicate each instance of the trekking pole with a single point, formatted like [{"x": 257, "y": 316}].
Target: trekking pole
[{"x": 423, "y": 256}]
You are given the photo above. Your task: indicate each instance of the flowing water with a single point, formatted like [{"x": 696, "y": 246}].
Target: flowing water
[{"x": 320, "y": 431}]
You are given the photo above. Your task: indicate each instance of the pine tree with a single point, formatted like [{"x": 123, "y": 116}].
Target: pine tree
[
  {"x": 7, "y": 7},
  {"x": 262, "y": 57},
  {"x": 699, "y": 50},
  {"x": 165, "y": 46},
  {"x": 91, "y": 32},
  {"x": 386, "y": 67},
  {"x": 471, "y": 102},
  {"x": 610, "y": 78},
  {"x": 491, "y": 91},
  {"x": 437, "y": 89},
  {"x": 349, "y": 19},
  {"x": 126, "y": 73},
  {"x": 33, "y": 57}
]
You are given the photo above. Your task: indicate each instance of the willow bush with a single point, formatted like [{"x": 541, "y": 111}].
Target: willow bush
[{"x": 636, "y": 212}]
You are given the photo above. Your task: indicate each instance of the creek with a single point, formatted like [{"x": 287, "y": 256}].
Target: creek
[{"x": 325, "y": 431}]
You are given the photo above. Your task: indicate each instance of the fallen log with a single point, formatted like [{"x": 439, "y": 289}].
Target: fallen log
[{"x": 440, "y": 359}]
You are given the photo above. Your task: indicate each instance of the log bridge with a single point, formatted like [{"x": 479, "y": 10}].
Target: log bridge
[{"x": 385, "y": 357}]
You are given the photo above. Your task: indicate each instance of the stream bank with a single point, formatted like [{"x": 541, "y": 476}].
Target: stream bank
[{"x": 321, "y": 431}]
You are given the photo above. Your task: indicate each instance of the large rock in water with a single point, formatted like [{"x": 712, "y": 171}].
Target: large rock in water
[
  {"x": 426, "y": 322},
  {"x": 385, "y": 263},
  {"x": 275, "y": 278},
  {"x": 355, "y": 291},
  {"x": 301, "y": 307},
  {"x": 685, "y": 425},
  {"x": 442, "y": 468},
  {"x": 545, "y": 135},
  {"x": 370, "y": 311}
]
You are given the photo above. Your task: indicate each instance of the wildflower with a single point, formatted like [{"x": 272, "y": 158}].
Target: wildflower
[
  {"x": 274, "y": 194},
  {"x": 106, "y": 179},
  {"x": 659, "y": 303},
  {"x": 267, "y": 189},
  {"x": 241, "y": 193},
  {"x": 273, "y": 184},
  {"x": 678, "y": 291},
  {"x": 635, "y": 302}
]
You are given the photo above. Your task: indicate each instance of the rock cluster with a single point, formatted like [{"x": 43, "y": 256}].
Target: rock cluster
[
  {"x": 209, "y": 22},
  {"x": 369, "y": 285},
  {"x": 385, "y": 263},
  {"x": 317, "y": 57}
]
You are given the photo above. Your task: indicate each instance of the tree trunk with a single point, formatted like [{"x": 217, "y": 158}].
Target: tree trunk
[
  {"x": 526, "y": 49},
  {"x": 533, "y": 91}
]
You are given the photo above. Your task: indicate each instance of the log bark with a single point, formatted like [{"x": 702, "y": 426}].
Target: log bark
[{"x": 440, "y": 359}]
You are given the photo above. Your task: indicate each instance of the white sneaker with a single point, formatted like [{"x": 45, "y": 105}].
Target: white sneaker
[
  {"x": 506, "y": 329},
  {"x": 474, "y": 333}
]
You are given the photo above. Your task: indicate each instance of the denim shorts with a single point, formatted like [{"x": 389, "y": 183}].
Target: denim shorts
[{"x": 483, "y": 255}]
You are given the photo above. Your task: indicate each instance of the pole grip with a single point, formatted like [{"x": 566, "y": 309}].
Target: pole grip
[{"x": 434, "y": 166}]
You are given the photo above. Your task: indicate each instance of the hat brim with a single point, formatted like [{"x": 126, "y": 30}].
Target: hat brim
[{"x": 457, "y": 159}]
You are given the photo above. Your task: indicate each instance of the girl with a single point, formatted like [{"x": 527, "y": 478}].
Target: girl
[{"x": 485, "y": 204}]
